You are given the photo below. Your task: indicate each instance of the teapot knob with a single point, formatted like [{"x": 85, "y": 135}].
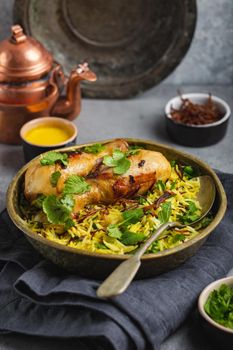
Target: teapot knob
[{"x": 18, "y": 35}]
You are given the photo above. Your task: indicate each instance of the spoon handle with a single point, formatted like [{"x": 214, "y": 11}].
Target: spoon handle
[{"x": 118, "y": 281}]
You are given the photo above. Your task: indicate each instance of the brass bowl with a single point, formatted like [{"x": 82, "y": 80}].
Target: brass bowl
[{"x": 96, "y": 265}]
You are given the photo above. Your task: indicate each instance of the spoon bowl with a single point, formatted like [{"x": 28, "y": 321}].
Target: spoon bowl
[{"x": 119, "y": 280}]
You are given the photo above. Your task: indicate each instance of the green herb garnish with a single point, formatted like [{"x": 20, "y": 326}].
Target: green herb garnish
[
  {"x": 126, "y": 237},
  {"x": 38, "y": 202},
  {"x": 160, "y": 185},
  {"x": 96, "y": 148},
  {"x": 190, "y": 214},
  {"x": 118, "y": 162},
  {"x": 219, "y": 305},
  {"x": 114, "y": 231},
  {"x": 132, "y": 238},
  {"x": 53, "y": 157},
  {"x": 132, "y": 216},
  {"x": 165, "y": 212},
  {"x": 190, "y": 172},
  {"x": 56, "y": 211},
  {"x": 76, "y": 185},
  {"x": 54, "y": 178}
]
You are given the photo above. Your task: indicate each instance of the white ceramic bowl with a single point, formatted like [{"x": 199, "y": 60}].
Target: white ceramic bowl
[
  {"x": 197, "y": 135},
  {"x": 216, "y": 332}
]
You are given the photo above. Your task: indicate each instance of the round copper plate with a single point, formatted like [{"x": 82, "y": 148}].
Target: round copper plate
[{"x": 131, "y": 45}]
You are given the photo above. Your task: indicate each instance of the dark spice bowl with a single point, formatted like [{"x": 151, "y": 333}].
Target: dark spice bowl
[
  {"x": 96, "y": 265},
  {"x": 197, "y": 135},
  {"x": 220, "y": 336}
]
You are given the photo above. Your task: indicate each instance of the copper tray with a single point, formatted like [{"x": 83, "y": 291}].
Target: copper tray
[{"x": 130, "y": 45}]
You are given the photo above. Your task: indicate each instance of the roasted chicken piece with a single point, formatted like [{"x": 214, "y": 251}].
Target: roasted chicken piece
[
  {"x": 146, "y": 168},
  {"x": 37, "y": 177}
]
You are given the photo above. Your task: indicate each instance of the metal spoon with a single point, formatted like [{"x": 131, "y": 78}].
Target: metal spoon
[{"x": 118, "y": 281}]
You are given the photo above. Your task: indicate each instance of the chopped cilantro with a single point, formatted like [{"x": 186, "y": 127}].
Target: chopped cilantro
[
  {"x": 100, "y": 246},
  {"x": 56, "y": 212},
  {"x": 38, "y": 202},
  {"x": 96, "y": 148},
  {"x": 76, "y": 185},
  {"x": 69, "y": 223},
  {"x": 219, "y": 305},
  {"x": 54, "y": 178},
  {"x": 173, "y": 185},
  {"x": 165, "y": 212},
  {"x": 173, "y": 163},
  {"x": 178, "y": 237},
  {"x": 132, "y": 216},
  {"x": 190, "y": 172},
  {"x": 52, "y": 157},
  {"x": 190, "y": 214},
  {"x": 134, "y": 149},
  {"x": 117, "y": 161},
  {"x": 114, "y": 231},
  {"x": 131, "y": 238},
  {"x": 160, "y": 185},
  {"x": 68, "y": 201}
]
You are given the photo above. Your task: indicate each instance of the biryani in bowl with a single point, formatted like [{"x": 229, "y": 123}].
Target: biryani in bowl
[{"x": 105, "y": 199}]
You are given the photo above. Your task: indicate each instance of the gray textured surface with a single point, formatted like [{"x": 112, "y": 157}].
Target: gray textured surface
[{"x": 210, "y": 57}]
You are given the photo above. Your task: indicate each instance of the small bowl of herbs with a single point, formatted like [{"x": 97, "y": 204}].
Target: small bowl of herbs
[{"x": 215, "y": 305}]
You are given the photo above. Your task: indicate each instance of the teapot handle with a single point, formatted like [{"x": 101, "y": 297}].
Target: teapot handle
[{"x": 58, "y": 77}]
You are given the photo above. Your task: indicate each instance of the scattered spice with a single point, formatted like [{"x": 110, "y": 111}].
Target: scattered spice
[{"x": 196, "y": 114}]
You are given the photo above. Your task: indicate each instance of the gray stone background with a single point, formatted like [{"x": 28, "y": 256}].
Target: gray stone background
[{"x": 210, "y": 57}]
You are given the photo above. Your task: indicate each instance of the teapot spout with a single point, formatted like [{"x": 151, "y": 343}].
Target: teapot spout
[{"x": 69, "y": 106}]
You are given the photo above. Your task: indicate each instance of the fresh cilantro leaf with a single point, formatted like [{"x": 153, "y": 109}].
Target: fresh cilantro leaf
[
  {"x": 76, "y": 185},
  {"x": 132, "y": 216},
  {"x": 142, "y": 200},
  {"x": 122, "y": 166},
  {"x": 219, "y": 305},
  {"x": 118, "y": 162},
  {"x": 178, "y": 237},
  {"x": 190, "y": 172},
  {"x": 190, "y": 214},
  {"x": 134, "y": 149},
  {"x": 38, "y": 202},
  {"x": 54, "y": 178},
  {"x": 114, "y": 231},
  {"x": 96, "y": 148},
  {"x": 52, "y": 157},
  {"x": 100, "y": 246},
  {"x": 160, "y": 185},
  {"x": 117, "y": 154},
  {"x": 173, "y": 185},
  {"x": 165, "y": 212},
  {"x": 68, "y": 201},
  {"x": 56, "y": 212},
  {"x": 69, "y": 223},
  {"x": 109, "y": 161},
  {"x": 206, "y": 221},
  {"x": 173, "y": 163},
  {"x": 131, "y": 238}
]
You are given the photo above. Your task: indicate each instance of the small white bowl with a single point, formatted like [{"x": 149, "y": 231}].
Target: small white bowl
[
  {"x": 197, "y": 135},
  {"x": 215, "y": 331}
]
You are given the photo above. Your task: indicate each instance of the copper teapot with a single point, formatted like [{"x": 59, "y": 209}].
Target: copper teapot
[{"x": 31, "y": 85}]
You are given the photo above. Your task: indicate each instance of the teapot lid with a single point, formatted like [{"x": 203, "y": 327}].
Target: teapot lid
[{"x": 23, "y": 58}]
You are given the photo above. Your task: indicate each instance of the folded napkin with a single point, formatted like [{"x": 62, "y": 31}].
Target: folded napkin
[{"x": 37, "y": 298}]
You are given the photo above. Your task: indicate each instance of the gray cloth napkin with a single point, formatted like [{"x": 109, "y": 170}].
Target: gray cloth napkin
[{"x": 38, "y": 298}]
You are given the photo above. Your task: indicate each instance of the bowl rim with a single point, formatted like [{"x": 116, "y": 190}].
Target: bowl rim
[
  {"x": 20, "y": 223},
  {"x": 47, "y": 120},
  {"x": 199, "y": 95},
  {"x": 205, "y": 294}
]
